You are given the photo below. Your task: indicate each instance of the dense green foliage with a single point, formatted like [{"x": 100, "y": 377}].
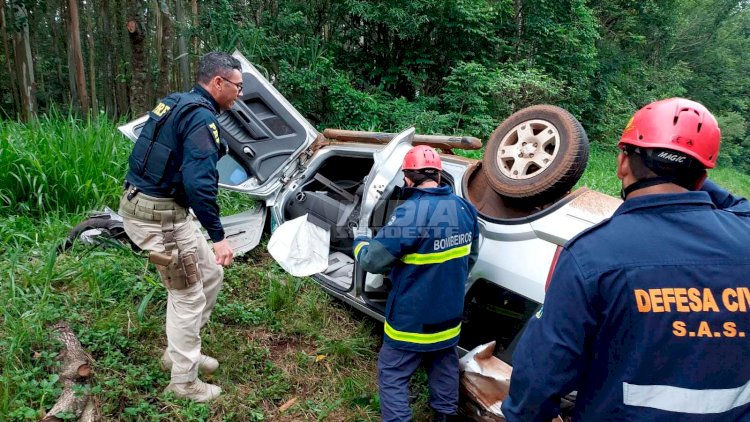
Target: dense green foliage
[
  {"x": 462, "y": 66},
  {"x": 446, "y": 66}
]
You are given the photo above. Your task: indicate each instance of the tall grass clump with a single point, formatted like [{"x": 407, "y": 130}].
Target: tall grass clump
[{"x": 59, "y": 163}]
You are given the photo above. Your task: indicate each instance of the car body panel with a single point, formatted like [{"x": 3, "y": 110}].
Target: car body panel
[
  {"x": 516, "y": 261},
  {"x": 244, "y": 230},
  {"x": 585, "y": 210}
]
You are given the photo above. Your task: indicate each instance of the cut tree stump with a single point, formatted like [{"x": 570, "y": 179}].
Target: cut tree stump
[{"x": 75, "y": 371}]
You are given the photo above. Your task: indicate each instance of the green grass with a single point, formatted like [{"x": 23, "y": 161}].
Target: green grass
[
  {"x": 277, "y": 337},
  {"x": 600, "y": 171}
]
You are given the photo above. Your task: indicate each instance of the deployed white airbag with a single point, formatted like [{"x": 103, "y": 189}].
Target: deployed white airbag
[{"x": 300, "y": 247}]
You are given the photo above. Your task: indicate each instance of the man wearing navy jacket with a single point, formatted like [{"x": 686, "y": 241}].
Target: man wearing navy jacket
[
  {"x": 172, "y": 168},
  {"x": 428, "y": 247},
  {"x": 646, "y": 315}
]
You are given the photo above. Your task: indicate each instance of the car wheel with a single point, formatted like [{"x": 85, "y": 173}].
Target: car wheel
[
  {"x": 537, "y": 154},
  {"x": 100, "y": 231}
]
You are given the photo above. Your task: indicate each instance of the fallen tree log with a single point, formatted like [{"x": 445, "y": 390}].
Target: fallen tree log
[
  {"x": 75, "y": 372},
  {"x": 436, "y": 141}
]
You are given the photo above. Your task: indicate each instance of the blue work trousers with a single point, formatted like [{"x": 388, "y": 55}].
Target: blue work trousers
[{"x": 395, "y": 368}]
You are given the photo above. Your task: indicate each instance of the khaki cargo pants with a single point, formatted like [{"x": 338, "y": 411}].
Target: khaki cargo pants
[{"x": 189, "y": 306}]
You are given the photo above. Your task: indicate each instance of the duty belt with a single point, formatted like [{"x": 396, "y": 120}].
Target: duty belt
[{"x": 135, "y": 204}]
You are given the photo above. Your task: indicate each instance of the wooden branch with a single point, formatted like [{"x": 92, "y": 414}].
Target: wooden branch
[
  {"x": 381, "y": 138},
  {"x": 75, "y": 370}
]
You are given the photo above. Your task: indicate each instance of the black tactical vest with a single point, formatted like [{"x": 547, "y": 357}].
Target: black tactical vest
[{"x": 157, "y": 155}]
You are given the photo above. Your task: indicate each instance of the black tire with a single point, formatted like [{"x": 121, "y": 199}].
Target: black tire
[
  {"x": 537, "y": 154},
  {"x": 111, "y": 231}
]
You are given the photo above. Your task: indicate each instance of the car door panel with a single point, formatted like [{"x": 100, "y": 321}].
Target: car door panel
[{"x": 261, "y": 132}]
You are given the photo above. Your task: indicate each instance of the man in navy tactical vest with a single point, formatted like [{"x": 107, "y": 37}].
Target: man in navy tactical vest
[
  {"x": 428, "y": 247},
  {"x": 173, "y": 168},
  {"x": 646, "y": 315}
]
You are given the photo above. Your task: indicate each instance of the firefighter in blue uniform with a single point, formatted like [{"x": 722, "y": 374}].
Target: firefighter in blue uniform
[
  {"x": 173, "y": 168},
  {"x": 646, "y": 315},
  {"x": 428, "y": 247}
]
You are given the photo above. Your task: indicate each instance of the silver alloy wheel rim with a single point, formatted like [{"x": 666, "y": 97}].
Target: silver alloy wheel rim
[{"x": 528, "y": 149}]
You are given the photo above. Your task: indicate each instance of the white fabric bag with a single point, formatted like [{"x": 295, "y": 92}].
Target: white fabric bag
[{"x": 300, "y": 247}]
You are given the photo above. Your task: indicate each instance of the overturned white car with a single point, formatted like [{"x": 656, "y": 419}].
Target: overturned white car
[{"x": 520, "y": 188}]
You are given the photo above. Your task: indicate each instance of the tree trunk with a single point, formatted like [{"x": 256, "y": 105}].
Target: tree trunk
[
  {"x": 73, "y": 98},
  {"x": 8, "y": 61},
  {"x": 24, "y": 67},
  {"x": 37, "y": 38},
  {"x": 165, "y": 60},
  {"x": 92, "y": 57},
  {"x": 138, "y": 60},
  {"x": 108, "y": 82},
  {"x": 119, "y": 8},
  {"x": 518, "y": 11},
  {"x": 75, "y": 371},
  {"x": 77, "y": 56},
  {"x": 156, "y": 51},
  {"x": 194, "y": 9},
  {"x": 183, "y": 57},
  {"x": 58, "y": 46}
]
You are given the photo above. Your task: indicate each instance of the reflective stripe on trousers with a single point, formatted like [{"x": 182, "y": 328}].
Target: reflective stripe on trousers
[{"x": 686, "y": 400}]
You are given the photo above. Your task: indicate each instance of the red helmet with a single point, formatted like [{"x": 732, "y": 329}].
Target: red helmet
[
  {"x": 675, "y": 124},
  {"x": 422, "y": 157}
]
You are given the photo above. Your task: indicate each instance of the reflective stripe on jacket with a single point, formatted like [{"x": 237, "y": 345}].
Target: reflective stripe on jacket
[
  {"x": 428, "y": 247},
  {"x": 646, "y": 316}
]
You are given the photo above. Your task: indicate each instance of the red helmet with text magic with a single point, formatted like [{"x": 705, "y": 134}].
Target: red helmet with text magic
[
  {"x": 676, "y": 124},
  {"x": 422, "y": 157}
]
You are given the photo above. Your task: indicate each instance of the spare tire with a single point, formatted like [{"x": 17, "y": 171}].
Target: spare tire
[{"x": 537, "y": 154}]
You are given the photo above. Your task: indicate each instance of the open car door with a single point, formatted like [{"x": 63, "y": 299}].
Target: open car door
[
  {"x": 383, "y": 178},
  {"x": 266, "y": 135}
]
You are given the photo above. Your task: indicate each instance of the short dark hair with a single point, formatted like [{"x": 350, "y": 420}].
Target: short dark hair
[
  {"x": 214, "y": 64},
  {"x": 638, "y": 167}
]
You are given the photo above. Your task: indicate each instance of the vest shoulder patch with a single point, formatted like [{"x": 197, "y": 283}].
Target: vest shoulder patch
[
  {"x": 214, "y": 132},
  {"x": 160, "y": 109}
]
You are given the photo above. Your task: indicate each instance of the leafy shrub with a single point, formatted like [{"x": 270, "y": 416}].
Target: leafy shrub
[{"x": 477, "y": 98}]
